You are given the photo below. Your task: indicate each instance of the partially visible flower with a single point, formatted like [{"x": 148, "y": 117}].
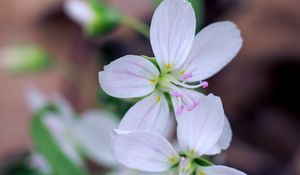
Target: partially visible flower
[
  {"x": 200, "y": 132},
  {"x": 23, "y": 58},
  {"x": 38, "y": 162},
  {"x": 94, "y": 16},
  {"x": 182, "y": 62},
  {"x": 88, "y": 135}
]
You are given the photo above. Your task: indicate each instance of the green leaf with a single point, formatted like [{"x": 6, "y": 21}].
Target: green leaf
[
  {"x": 46, "y": 145},
  {"x": 18, "y": 166}
]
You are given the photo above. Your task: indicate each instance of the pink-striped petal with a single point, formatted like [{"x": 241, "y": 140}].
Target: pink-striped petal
[
  {"x": 172, "y": 32},
  {"x": 143, "y": 150},
  {"x": 200, "y": 129},
  {"x": 128, "y": 77},
  {"x": 224, "y": 141},
  {"x": 213, "y": 48},
  {"x": 152, "y": 114},
  {"x": 219, "y": 170},
  {"x": 92, "y": 133}
]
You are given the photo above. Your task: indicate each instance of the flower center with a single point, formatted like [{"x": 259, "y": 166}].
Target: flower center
[
  {"x": 186, "y": 166},
  {"x": 181, "y": 98}
]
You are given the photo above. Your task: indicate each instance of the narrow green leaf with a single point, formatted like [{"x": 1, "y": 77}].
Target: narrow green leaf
[{"x": 46, "y": 145}]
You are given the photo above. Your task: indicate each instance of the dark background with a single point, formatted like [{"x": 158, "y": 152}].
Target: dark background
[{"x": 260, "y": 89}]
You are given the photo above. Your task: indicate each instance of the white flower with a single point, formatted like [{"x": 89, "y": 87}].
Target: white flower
[
  {"x": 203, "y": 131},
  {"x": 89, "y": 133},
  {"x": 182, "y": 61}
]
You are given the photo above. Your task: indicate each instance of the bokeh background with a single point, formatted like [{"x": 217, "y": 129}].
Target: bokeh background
[{"x": 260, "y": 89}]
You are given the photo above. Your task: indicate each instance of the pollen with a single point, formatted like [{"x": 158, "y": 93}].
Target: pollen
[
  {"x": 202, "y": 173},
  {"x": 182, "y": 72},
  {"x": 192, "y": 153},
  {"x": 157, "y": 99},
  {"x": 173, "y": 159},
  {"x": 154, "y": 80},
  {"x": 169, "y": 66}
]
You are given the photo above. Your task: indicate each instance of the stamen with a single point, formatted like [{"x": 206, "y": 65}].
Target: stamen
[
  {"x": 190, "y": 101},
  {"x": 176, "y": 94},
  {"x": 179, "y": 96},
  {"x": 185, "y": 166},
  {"x": 184, "y": 100},
  {"x": 204, "y": 84},
  {"x": 185, "y": 76},
  {"x": 183, "y": 161},
  {"x": 179, "y": 110}
]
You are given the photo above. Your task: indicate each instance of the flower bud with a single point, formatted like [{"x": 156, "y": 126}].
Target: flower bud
[
  {"x": 93, "y": 15},
  {"x": 21, "y": 58}
]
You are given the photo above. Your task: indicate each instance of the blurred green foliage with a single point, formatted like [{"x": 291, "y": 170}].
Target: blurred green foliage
[
  {"x": 18, "y": 166},
  {"x": 46, "y": 145},
  {"x": 116, "y": 105},
  {"x": 106, "y": 19},
  {"x": 24, "y": 59}
]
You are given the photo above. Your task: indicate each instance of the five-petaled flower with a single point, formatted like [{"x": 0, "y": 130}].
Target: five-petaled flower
[
  {"x": 204, "y": 131},
  {"x": 182, "y": 61}
]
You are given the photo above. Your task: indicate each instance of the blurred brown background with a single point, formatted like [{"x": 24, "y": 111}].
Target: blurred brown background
[{"x": 260, "y": 88}]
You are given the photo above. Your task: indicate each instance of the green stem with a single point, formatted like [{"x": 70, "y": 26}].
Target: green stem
[
  {"x": 203, "y": 162},
  {"x": 137, "y": 25}
]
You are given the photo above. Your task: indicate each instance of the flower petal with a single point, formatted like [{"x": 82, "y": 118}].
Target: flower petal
[
  {"x": 65, "y": 108},
  {"x": 224, "y": 141},
  {"x": 62, "y": 133},
  {"x": 143, "y": 150},
  {"x": 151, "y": 113},
  {"x": 93, "y": 133},
  {"x": 121, "y": 170},
  {"x": 172, "y": 32},
  {"x": 213, "y": 48},
  {"x": 38, "y": 161},
  {"x": 200, "y": 129},
  {"x": 128, "y": 77},
  {"x": 79, "y": 11},
  {"x": 220, "y": 170},
  {"x": 35, "y": 99}
]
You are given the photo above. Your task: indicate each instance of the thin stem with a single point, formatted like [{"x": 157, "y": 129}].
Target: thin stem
[{"x": 137, "y": 25}]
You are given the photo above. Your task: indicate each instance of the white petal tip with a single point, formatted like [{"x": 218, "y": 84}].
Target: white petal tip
[{"x": 79, "y": 11}]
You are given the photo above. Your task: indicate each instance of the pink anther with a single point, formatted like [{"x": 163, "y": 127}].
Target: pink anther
[
  {"x": 185, "y": 76},
  {"x": 176, "y": 94},
  {"x": 179, "y": 110},
  {"x": 203, "y": 84}
]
